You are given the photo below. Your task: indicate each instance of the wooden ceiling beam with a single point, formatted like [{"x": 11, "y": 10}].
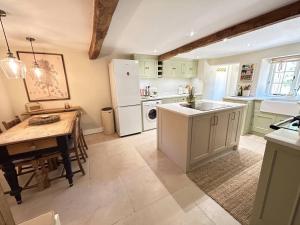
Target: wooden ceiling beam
[
  {"x": 103, "y": 12},
  {"x": 281, "y": 14}
]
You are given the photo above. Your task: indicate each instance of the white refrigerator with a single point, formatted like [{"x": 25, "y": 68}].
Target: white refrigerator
[{"x": 124, "y": 83}]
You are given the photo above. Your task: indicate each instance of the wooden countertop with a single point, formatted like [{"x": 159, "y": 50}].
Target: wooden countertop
[{"x": 23, "y": 132}]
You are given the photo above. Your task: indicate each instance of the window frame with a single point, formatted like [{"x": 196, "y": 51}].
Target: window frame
[{"x": 295, "y": 83}]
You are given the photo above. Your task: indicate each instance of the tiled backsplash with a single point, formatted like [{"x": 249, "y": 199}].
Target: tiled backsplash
[{"x": 167, "y": 86}]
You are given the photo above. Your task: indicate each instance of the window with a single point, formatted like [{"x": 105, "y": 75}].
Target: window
[{"x": 284, "y": 77}]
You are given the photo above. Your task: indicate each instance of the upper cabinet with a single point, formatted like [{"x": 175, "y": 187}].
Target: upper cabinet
[
  {"x": 180, "y": 68},
  {"x": 147, "y": 66},
  {"x": 150, "y": 67}
]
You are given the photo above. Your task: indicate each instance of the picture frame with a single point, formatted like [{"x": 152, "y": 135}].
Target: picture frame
[{"x": 53, "y": 85}]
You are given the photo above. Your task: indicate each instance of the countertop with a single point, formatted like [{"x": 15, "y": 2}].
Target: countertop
[
  {"x": 177, "y": 108},
  {"x": 240, "y": 98},
  {"x": 164, "y": 96},
  {"x": 285, "y": 137},
  {"x": 261, "y": 98}
]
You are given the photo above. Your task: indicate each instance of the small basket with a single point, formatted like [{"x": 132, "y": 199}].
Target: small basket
[{"x": 41, "y": 120}]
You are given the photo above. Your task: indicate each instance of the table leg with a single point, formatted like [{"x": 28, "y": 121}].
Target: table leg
[
  {"x": 10, "y": 174},
  {"x": 63, "y": 148},
  {"x": 11, "y": 177}
]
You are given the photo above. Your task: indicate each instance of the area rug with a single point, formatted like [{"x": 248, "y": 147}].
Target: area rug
[{"x": 231, "y": 180}]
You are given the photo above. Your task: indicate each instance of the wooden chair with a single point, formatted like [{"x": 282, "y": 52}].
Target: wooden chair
[
  {"x": 82, "y": 140},
  {"x": 75, "y": 149},
  {"x": 11, "y": 123}
]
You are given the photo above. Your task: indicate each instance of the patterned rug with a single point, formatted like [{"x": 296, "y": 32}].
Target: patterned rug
[{"x": 231, "y": 180}]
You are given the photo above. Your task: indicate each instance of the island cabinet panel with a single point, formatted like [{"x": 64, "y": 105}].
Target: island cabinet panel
[
  {"x": 201, "y": 134},
  {"x": 278, "y": 193},
  {"x": 221, "y": 121},
  {"x": 234, "y": 128}
]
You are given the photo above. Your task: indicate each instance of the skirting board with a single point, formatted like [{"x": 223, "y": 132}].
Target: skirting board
[{"x": 93, "y": 131}]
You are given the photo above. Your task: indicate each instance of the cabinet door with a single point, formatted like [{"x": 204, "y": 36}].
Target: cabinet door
[
  {"x": 201, "y": 134},
  {"x": 147, "y": 68},
  {"x": 150, "y": 69},
  {"x": 262, "y": 122},
  {"x": 170, "y": 69},
  {"x": 233, "y": 128},
  {"x": 221, "y": 121},
  {"x": 189, "y": 69}
]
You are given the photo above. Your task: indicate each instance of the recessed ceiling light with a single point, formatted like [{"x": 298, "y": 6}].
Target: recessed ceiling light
[
  {"x": 225, "y": 39},
  {"x": 155, "y": 50},
  {"x": 192, "y": 33},
  {"x": 248, "y": 44}
]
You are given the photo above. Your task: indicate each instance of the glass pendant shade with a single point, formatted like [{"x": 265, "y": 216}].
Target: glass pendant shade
[
  {"x": 13, "y": 68},
  {"x": 37, "y": 72}
]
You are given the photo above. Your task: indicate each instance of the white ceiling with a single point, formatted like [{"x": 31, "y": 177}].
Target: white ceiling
[
  {"x": 143, "y": 26},
  {"x": 138, "y": 26},
  {"x": 61, "y": 23},
  {"x": 279, "y": 34}
]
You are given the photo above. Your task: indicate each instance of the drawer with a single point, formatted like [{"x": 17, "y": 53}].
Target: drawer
[
  {"x": 31, "y": 146},
  {"x": 262, "y": 122}
]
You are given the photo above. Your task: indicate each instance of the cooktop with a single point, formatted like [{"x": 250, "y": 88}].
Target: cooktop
[{"x": 204, "y": 106}]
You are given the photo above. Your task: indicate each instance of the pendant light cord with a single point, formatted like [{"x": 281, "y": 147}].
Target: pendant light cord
[
  {"x": 8, "y": 49},
  {"x": 33, "y": 51}
]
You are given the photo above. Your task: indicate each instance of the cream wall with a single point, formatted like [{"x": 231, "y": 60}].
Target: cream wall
[
  {"x": 88, "y": 84},
  {"x": 260, "y": 72},
  {"x": 6, "y": 111}
]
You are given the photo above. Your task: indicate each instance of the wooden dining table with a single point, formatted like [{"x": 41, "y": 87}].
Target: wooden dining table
[{"x": 24, "y": 140}]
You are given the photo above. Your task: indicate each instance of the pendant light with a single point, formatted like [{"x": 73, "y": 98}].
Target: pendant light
[
  {"x": 11, "y": 66},
  {"x": 36, "y": 70}
]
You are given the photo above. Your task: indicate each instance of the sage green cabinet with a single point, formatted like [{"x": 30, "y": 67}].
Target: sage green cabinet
[
  {"x": 247, "y": 113},
  {"x": 262, "y": 121},
  {"x": 171, "y": 69},
  {"x": 189, "y": 69},
  {"x": 202, "y": 130},
  {"x": 180, "y": 68},
  {"x": 147, "y": 68},
  {"x": 234, "y": 127},
  {"x": 212, "y": 133}
]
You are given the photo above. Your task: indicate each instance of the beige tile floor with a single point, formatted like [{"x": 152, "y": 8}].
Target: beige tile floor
[{"x": 128, "y": 182}]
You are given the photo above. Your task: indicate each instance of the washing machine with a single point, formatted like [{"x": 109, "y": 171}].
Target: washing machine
[{"x": 149, "y": 114}]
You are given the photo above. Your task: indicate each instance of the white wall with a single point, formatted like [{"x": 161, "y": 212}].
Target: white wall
[
  {"x": 260, "y": 72},
  {"x": 88, "y": 83}
]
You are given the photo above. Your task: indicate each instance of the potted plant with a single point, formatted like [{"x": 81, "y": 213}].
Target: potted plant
[
  {"x": 190, "y": 99},
  {"x": 246, "y": 90}
]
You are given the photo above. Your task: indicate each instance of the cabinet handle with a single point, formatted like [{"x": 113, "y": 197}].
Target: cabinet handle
[
  {"x": 217, "y": 120},
  {"x": 146, "y": 67}
]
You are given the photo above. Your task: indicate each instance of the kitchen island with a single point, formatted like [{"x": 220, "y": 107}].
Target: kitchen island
[{"x": 188, "y": 135}]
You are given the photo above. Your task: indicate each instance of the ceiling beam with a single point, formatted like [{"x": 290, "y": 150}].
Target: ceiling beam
[
  {"x": 281, "y": 14},
  {"x": 103, "y": 12}
]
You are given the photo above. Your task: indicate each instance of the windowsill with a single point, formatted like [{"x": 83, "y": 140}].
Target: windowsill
[{"x": 282, "y": 98}]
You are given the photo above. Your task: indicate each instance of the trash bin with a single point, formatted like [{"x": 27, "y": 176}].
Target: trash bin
[{"x": 107, "y": 115}]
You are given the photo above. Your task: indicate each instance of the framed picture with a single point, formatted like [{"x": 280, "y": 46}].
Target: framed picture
[
  {"x": 247, "y": 72},
  {"x": 53, "y": 84}
]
